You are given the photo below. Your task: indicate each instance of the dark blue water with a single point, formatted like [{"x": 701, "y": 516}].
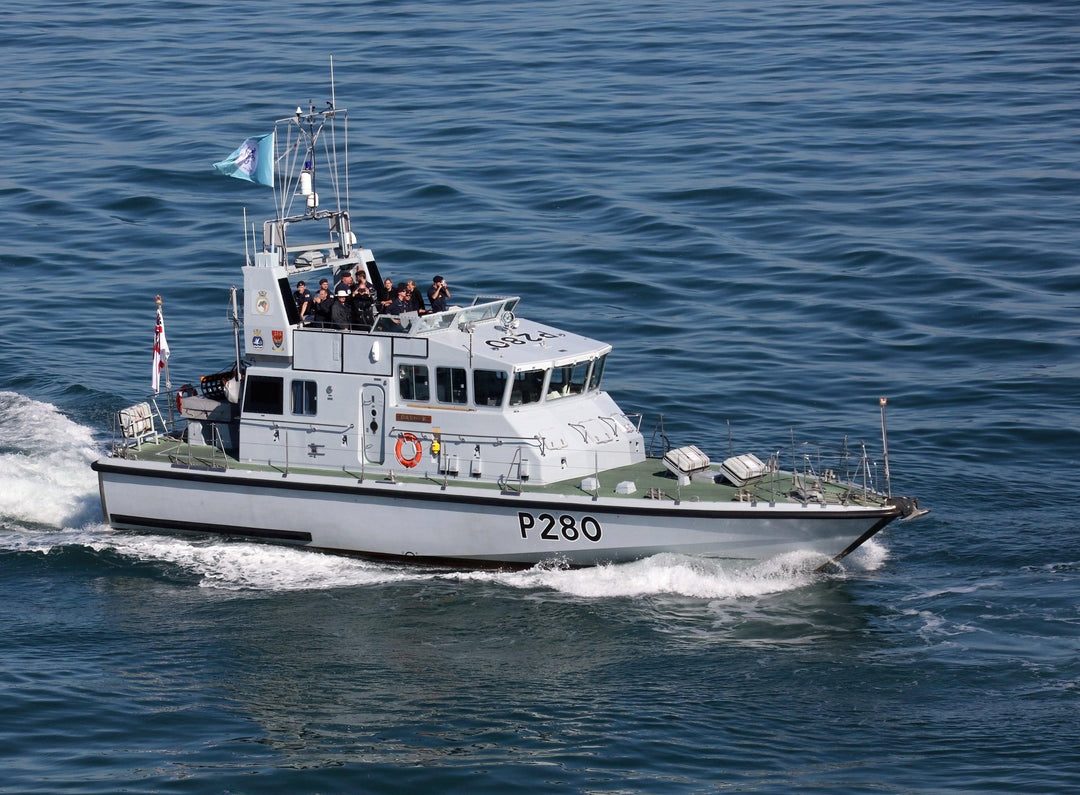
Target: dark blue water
[{"x": 776, "y": 212}]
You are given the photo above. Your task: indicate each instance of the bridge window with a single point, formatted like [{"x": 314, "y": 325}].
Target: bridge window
[
  {"x": 489, "y": 386},
  {"x": 528, "y": 387},
  {"x": 413, "y": 382},
  {"x": 305, "y": 397},
  {"x": 568, "y": 380},
  {"x": 597, "y": 372},
  {"x": 450, "y": 385},
  {"x": 263, "y": 395}
]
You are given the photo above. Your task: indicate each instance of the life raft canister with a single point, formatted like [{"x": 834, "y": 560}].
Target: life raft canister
[
  {"x": 187, "y": 390},
  {"x": 417, "y": 450}
]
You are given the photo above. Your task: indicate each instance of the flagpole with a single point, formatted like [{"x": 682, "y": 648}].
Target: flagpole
[
  {"x": 165, "y": 363},
  {"x": 236, "y": 330}
]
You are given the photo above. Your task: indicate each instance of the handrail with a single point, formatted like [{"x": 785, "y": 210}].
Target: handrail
[
  {"x": 506, "y": 481},
  {"x": 457, "y": 437},
  {"x": 298, "y": 425}
]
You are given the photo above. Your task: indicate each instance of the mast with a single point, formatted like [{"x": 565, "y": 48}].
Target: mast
[{"x": 307, "y": 155}]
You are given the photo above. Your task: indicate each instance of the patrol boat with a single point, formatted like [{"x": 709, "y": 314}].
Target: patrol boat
[{"x": 468, "y": 437}]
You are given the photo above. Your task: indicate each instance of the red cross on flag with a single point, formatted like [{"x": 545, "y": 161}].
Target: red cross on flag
[{"x": 161, "y": 351}]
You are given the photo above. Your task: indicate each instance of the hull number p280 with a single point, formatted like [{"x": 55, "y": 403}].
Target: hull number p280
[
  {"x": 565, "y": 526},
  {"x": 521, "y": 338}
]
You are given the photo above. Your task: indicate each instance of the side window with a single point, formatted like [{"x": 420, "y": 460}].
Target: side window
[
  {"x": 305, "y": 397},
  {"x": 450, "y": 385},
  {"x": 263, "y": 395},
  {"x": 568, "y": 380},
  {"x": 528, "y": 387},
  {"x": 413, "y": 382},
  {"x": 597, "y": 372},
  {"x": 489, "y": 386}
]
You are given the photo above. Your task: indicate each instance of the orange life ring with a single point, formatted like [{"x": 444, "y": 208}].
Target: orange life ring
[
  {"x": 187, "y": 390},
  {"x": 418, "y": 451}
]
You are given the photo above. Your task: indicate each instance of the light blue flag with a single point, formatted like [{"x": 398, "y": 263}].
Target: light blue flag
[{"x": 253, "y": 160}]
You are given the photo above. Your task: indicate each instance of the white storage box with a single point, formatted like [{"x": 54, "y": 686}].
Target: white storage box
[{"x": 743, "y": 469}]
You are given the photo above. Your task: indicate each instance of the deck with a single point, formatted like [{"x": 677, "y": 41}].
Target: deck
[{"x": 650, "y": 478}]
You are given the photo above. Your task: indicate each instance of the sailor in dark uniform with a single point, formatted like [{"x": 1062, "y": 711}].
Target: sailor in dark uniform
[
  {"x": 347, "y": 284},
  {"x": 304, "y": 304},
  {"x": 363, "y": 301},
  {"x": 402, "y": 303},
  {"x": 322, "y": 303},
  {"x": 438, "y": 292}
]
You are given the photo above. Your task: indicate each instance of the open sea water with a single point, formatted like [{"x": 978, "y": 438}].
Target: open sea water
[{"x": 777, "y": 212}]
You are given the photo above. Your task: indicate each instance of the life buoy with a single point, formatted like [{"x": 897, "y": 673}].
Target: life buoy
[
  {"x": 417, "y": 452},
  {"x": 187, "y": 390}
]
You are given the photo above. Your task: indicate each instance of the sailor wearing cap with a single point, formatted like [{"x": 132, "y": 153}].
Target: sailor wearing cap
[
  {"x": 346, "y": 284},
  {"x": 401, "y": 303},
  {"x": 303, "y": 300}
]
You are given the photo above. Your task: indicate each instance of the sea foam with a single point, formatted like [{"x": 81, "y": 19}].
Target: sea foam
[{"x": 45, "y": 475}]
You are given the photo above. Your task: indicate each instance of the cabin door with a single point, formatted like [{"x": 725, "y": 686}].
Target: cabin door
[{"x": 372, "y": 411}]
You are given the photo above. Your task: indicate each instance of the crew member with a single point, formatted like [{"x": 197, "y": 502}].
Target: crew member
[
  {"x": 438, "y": 292},
  {"x": 304, "y": 303},
  {"x": 401, "y": 304},
  {"x": 341, "y": 312},
  {"x": 323, "y": 302}
]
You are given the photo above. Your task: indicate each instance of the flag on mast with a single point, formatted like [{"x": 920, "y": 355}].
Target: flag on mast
[
  {"x": 253, "y": 160},
  {"x": 161, "y": 351}
]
